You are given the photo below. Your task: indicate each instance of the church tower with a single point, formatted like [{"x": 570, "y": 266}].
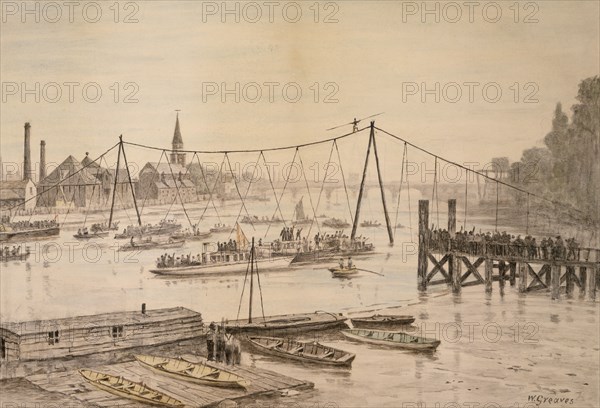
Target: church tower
[{"x": 177, "y": 157}]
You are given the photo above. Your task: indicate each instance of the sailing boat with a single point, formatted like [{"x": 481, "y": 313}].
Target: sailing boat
[
  {"x": 299, "y": 217},
  {"x": 318, "y": 320},
  {"x": 230, "y": 258}
]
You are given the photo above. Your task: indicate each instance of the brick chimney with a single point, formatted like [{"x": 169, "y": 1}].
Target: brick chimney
[
  {"x": 42, "y": 160},
  {"x": 27, "y": 153}
]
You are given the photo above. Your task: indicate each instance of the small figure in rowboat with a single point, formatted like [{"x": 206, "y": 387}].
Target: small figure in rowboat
[
  {"x": 341, "y": 263},
  {"x": 349, "y": 263}
]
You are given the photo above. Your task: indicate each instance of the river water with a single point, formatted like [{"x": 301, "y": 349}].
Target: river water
[{"x": 546, "y": 349}]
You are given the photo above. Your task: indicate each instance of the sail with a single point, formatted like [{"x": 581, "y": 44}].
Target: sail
[
  {"x": 300, "y": 210},
  {"x": 240, "y": 237}
]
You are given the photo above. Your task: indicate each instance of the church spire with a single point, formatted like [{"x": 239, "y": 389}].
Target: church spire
[
  {"x": 177, "y": 139},
  {"x": 177, "y": 144}
]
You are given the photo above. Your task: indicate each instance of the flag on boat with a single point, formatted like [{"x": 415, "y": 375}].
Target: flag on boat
[{"x": 240, "y": 237}]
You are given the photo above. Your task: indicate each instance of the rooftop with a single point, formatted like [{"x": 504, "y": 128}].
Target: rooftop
[{"x": 100, "y": 320}]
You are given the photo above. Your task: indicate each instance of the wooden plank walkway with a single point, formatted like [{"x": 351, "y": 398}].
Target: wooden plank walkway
[{"x": 71, "y": 383}]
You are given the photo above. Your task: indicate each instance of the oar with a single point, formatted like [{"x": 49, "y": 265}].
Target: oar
[{"x": 366, "y": 270}]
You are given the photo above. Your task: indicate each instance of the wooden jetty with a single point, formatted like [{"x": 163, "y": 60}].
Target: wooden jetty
[
  {"x": 554, "y": 274},
  {"x": 263, "y": 382}
]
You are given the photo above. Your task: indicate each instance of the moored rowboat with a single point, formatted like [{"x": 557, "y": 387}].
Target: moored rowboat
[
  {"x": 194, "y": 372},
  {"x": 301, "y": 351},
  {"x": 385, "y": 321},
  {"x": 288, "y": 323},
  {"x": 129, "y": 389},
  {"x": 392, "y": 339}
]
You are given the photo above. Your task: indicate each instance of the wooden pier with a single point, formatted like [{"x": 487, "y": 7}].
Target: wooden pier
[
  {"x": 72, "y": 384},
  {"x": 533, "y": 273}
]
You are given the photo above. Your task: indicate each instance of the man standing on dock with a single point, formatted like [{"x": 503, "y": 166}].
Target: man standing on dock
[{"x": 210, "y": 342}]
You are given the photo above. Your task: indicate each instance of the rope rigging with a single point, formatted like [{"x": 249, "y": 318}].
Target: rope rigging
[
  {"x": 238, "y": 191},
  {"x": 252, "y": 150},
  {"x": 246, "y": 193},
  {"x": 308, "y": 191},
  {"x": 151, "y": 181},
  {"x": 344, "y": 181},
  {"x": 177, "y": 187},
  {"x": 208, "y": 189},
  {"x": 315, "y": 218},
  {"x": 400, "y": 189},
  {"x": 404, "y": 178},
  {"x": 273, "y": 187},
  {"x": 287, "y": 179},
  {"x": 212, "y": 191}
]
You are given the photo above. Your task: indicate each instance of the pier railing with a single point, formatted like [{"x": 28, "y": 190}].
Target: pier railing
[{"x": 512, "y": 250}]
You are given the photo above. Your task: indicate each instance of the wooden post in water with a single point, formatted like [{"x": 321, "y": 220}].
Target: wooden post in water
[
  {"x": 501, "y": 272},
  {"x": 570, "y": 271},
  {"x": 592, "y": 272},
  {"x": 548, "y": 278},
  {"x": 583, "y": 281},
  {"x": 555, "y": 280},
  {"x": 251, "y": 281},
  {"x": 423, "y": 244},
  {"x": 452, "y": 217},
  {"x": 489, "y": 272},
  {"x": 513, "y": 273},
  {"x": 523, "y": 272},
  {"x": 455, "y": 272}
]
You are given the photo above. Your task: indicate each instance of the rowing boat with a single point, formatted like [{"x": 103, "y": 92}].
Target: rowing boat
[
  {"x": 339, "y": 272},
  {"x": 392, "y": 339},
  {"x": 129, "y": 389},
  {"x": 195, "y": 372},
  {"x": 149, "y": 244},
  {"x": 99, "y": 234},
  {"x": 15, "y": 257},
  {"x": 310, "y": 352},
  {"x": 378, "y": 321}
]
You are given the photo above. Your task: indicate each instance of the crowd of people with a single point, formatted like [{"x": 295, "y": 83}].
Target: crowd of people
[
  {"x": 504, "y": 244},
  {"x": 231, "y": 245},
  {"x": 16, "y": 250},
  {"x": 169, "y": 261},
  {"x": 289, "y": 233},
  {"x": 222, "y": 347},
  {"x": 29, "y": 225}
]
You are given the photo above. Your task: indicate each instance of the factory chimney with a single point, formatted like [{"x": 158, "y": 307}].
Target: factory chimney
[
  {"x": 27, "y": 153},
  {"x": 42, "y": 160}
]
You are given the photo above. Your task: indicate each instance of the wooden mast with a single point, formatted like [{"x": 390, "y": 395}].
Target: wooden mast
[
  {"x": 385, "y": 211},
  {"x": 112, "y": 206},
  {"x": 137, "y": 211},
  {"x": 362, "y": 186},
  {"x": 251, "y": 281}
]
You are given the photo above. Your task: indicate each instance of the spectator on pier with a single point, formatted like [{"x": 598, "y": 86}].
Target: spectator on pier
[{"x": 210, "y": 341}]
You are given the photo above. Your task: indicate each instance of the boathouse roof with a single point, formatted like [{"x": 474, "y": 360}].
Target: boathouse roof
[{"x": 100, "y": 320}]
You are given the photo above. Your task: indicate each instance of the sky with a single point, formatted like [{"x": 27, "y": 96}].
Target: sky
[{"x": 349, "y": 59}]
